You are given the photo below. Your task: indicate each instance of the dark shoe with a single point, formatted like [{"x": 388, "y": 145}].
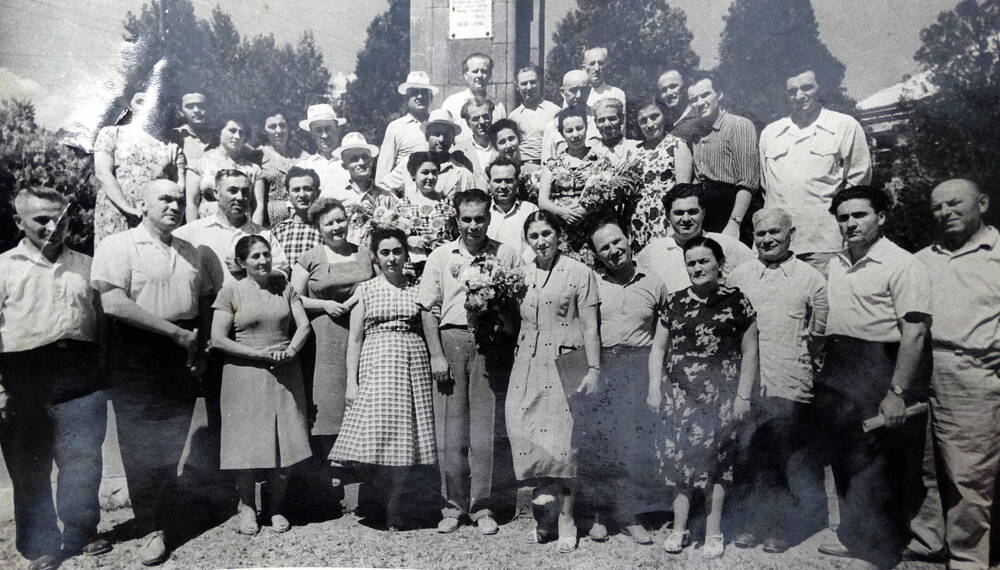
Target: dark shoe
[
  {"x": 913, "y": 556},
  {"x": 44, "y": 562},
  {"x": 745, "y": 540},
  {"x": 835, "y": 549},
  {"x": 95, "y": 547},
  {"x": 775, "y": 545},
  {"x": 448, "y": 525},
  {"x": 638, "y": 533},
  {"x": 155, "y": 550}
]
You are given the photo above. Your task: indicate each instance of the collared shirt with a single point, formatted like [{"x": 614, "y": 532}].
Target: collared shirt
[
  {"x": 296, "y": 237},
  {"x": 801, "y": 170},
  {"x": 870, "y": 297},
  {"x": 606, "y": 91},
  {"x": 508, "y": 227},
  {"x": 440, "y": 288},
  {"x": 665, "y": 258},
  {"x": 164, "y": 279},
  {"x": 42, "y": 302},
  {"x": 454, "y": 176},
  {"x": 454, "y": 103},
  {"x": 479, "y": 156},
  {"x": 532, "y": 122},
  {"x": 189, "y": 142},
  {"x": 728, "y": 152},
  {"x": 629, "y": 312},
  {"x": 553, "y": 142},
  {"x": 791, "y": 305},
  {"x": 403, "y": 137},
  {"x": 332, "y": 174},
  {"x": 219, "y": 237},
  {"x": 623, "y": 151},
  {"x": 965, "y": 291}
]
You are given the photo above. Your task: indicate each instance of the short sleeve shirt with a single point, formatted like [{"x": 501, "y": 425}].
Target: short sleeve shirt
[
  {"x": 665, "y": 258},
  {"x": 532, "y": 123},
  {"x": 629, "y": 312},
  {"x": 870, "y": 297},
  {"x": 215, "y": 236}
]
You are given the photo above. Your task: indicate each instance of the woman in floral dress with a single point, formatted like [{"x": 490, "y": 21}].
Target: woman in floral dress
[
  {"x": 278, "y": 154},
  {"x": 562, "y": 182},
  {"x": 430, "y": 212},
  {"x": 126, "y": 157},
  {"x": 390, "y": 416},
  {"x": 665, "y": 160},
  {"x": 709, "y": 332}
]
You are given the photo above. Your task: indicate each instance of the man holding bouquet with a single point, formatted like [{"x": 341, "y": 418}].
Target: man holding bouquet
[{"x": 469, "y": 395}]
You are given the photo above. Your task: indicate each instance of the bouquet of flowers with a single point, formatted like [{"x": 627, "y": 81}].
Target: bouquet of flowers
[
  {"x": 492, "y": 292},
  {"x": 367, "y": 217},
  {"x": 610, "y": 185}
]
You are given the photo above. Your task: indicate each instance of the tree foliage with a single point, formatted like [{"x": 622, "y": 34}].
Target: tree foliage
[
  {"x": 644, "y": 38},
  {"x": 371, "y": 100},
  {"x": 764, "y": 41},
  {"x": 255, "y": 77},
  {"x": 33, "y": 156}
]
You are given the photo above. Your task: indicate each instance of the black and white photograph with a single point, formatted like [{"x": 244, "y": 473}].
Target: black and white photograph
[{"x": 575, "y": 284}]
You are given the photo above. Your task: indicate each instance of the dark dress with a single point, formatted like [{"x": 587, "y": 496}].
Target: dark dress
[
  {"x": 699, "y": 390},
  {"x": 336, "y": 282}
]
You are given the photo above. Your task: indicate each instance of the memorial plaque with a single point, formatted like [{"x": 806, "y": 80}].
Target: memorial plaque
[{"x": 470, "y": 19}]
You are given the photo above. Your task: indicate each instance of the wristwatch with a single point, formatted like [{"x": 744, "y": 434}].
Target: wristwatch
[{"x": 897, "y": 390}]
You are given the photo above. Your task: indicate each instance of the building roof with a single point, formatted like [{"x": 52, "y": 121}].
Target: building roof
[{"x": 911, "y": 88}]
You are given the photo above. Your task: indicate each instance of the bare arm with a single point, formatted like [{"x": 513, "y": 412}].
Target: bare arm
[
  {"x": 683, "y": 164},
  {"x": 355, "y": 339},
  {"x": 750, "y": 367},
  {"x": 259, "y": 198},
  {"x": 222, "y": 323},
  {"x": 104, "y": 165},
  {"x": 545, "y": 198},
  {"x": 592, "y": 346},
  {"x": 117, "y": 304},
  {"x": 657, "y": 353},
  {"x": 432, "y": 335},
  {"x": 302, "y": 328},
  {"x": 192, "y": 195}
]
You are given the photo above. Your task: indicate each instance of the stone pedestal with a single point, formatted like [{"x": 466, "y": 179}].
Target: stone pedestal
[{"x": 516, "y": 38}]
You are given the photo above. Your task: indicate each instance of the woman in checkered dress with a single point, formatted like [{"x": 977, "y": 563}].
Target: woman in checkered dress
[{"x": 390, "y": 417}]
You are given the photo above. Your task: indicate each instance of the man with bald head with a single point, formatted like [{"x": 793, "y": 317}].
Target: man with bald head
[
  {"x": 790, "y": 298},
  {"x": 595, "y": 62},
  {"x": 157, "y": 291},
  {"x": 965, "y": 400},
  {"x": 575, "y": 92}
]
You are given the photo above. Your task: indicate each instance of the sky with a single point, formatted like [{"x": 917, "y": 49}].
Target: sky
[{"x": 69, "y": 67}]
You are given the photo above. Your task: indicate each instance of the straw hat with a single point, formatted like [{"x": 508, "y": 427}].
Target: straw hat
[
  {"x": 354, "y": 141},
  {"x": 321, "y": 112},
  {"x": 417, "y": 80},
  {"x": 443, "y": 117}
]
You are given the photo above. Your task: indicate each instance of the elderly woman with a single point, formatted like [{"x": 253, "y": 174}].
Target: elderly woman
[
  {"x": 278, "y": 153},
  {"x": 710, "y": 332},
  {"x": 262, "y": 399},
  {"x": 390, "y": 415},
  {"x": 127, "y": 156},
  {"x": 558, "y": 312},
  {"x": 228, "y": 154},
  {"x": 665, "y": 160},
  {"x": 326, "y": 277}
]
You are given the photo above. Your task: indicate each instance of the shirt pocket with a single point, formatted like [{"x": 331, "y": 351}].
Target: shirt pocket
[
  {"x": 566, "y": 305},
  {"x": 825, "y": 160}
]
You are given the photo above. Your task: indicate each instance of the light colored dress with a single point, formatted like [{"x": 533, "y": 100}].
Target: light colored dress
[
  {"x": 649, "y": 219},
  {"x": 274, "y": 166},
  {"x": 539, "y": 422},
  {"x": 208, "y": 166},
  {"x": 263, "y": 409},
  {"x": 336, "y": 282},
  {"x": 139, "y": 158},
  {"x": 392, "y": 420}
]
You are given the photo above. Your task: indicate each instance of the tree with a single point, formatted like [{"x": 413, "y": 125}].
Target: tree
[
  {"x": 644, "y": 38},
  {"x": 371, "y": 100},
  {"x": 33, "y": 156},
  {"x": 763, "y": 43}
]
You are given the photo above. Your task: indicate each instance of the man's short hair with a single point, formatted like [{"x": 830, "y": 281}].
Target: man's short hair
[
  {"x": 880, "y": 201},
  {"x": 680, "y": 191},
  {"x": 229, "y": 173},
  {"x": 503, "y": 161},
  {"x": 471, "y": 196},
  {"x": 702, "y": 76},
  {"x": 480, "y": 55},
  {"x": 529, "y": 67},
  {"x": 617, "y": 105},
  {"x": 601, "y": 49},
  {"x": 298, "y": 171},
  {"x": 604, "y": 222},
  {"x": 40, "y": 192},
  {"x": 781, "y": 213},
  {"x": 476, "y": 102},
  {"x": 799, "y": 69},
  {"x": 414, "y": 161}
]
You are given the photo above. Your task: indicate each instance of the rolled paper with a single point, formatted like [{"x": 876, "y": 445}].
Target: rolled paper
[{"x": 879, "y": 420}]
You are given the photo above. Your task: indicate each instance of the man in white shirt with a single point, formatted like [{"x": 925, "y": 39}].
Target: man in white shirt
[
  {"x": 404, "y": 136},
  {"x": 665, "y": 256},
  {"x": 323, "y": 124},
  {"x": 805, "y": 159},
  {"x": 575, "y": 92},
  {"x": 533, "y": 113},
  {"x": 476, "y": 146},
  {"x": 478, "y": 70},
  {"x": 507, "y": 212},
  {"x": 595, "y": 60}
]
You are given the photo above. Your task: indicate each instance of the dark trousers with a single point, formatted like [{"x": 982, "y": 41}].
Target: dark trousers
[
  {"x": 717, "y": 202},
  {"x": 878, "y": 474},
  {"x": 45, "y": 426},
  {"x": 468, "y": 418}
]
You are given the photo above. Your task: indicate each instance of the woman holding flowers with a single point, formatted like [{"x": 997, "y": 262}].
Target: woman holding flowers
[
  {"x": 430, "y": 214},
  {"x": 558, "y": 312},
  {"x": 389, "y": 421},
  {"x": 664, "y": 160}
]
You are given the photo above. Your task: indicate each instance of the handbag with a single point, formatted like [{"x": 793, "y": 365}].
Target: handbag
[{"x": 572, "y": 366}]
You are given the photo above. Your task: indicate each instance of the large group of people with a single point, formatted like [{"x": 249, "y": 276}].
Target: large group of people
[{"x": 740, "y": 324}]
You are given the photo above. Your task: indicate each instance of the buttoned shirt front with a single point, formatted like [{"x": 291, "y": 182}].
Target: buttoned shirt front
[
  {"x": 665, "y": 258},
  {"x": 403, "y": 137},
  {"x": 605, "y": 91},
  {"x": 791, "y": 304},
  {"x": 454, "y": 103},
  {"x": 629, "y": 311},
  {"x": 479, "y": 156},
  {"x": 192, "y": 146},
  {"x": 532, "y": 122},
  {"x": 440, "y": 288},
  {"x": 728, "y": 152},
  {"x": 869, "y": 298},
  {"x": 508, "y": 227},
  {"x": 42, "y": 302},
  {"x": 332, "y": 174},
  {"x": 965, "y": 291},
  {"x": 296, "y": 237},
  {"x": 217, "y": 236},
  {"x": 164, "y": 279},
  {"x": 802, "y": 168}
]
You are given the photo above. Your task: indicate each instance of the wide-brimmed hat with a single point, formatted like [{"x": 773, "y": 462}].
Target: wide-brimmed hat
[
  {"x": 443, "y": 117},
  {"x": 354, "y": 141},
  {"x": 321, "y": 112},
  {"x": 417, "y": 80}
]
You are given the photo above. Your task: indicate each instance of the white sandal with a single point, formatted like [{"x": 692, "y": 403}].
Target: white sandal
[
  {"x": 714, "y": 547},
  {"x": 676, "y": 541}
]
